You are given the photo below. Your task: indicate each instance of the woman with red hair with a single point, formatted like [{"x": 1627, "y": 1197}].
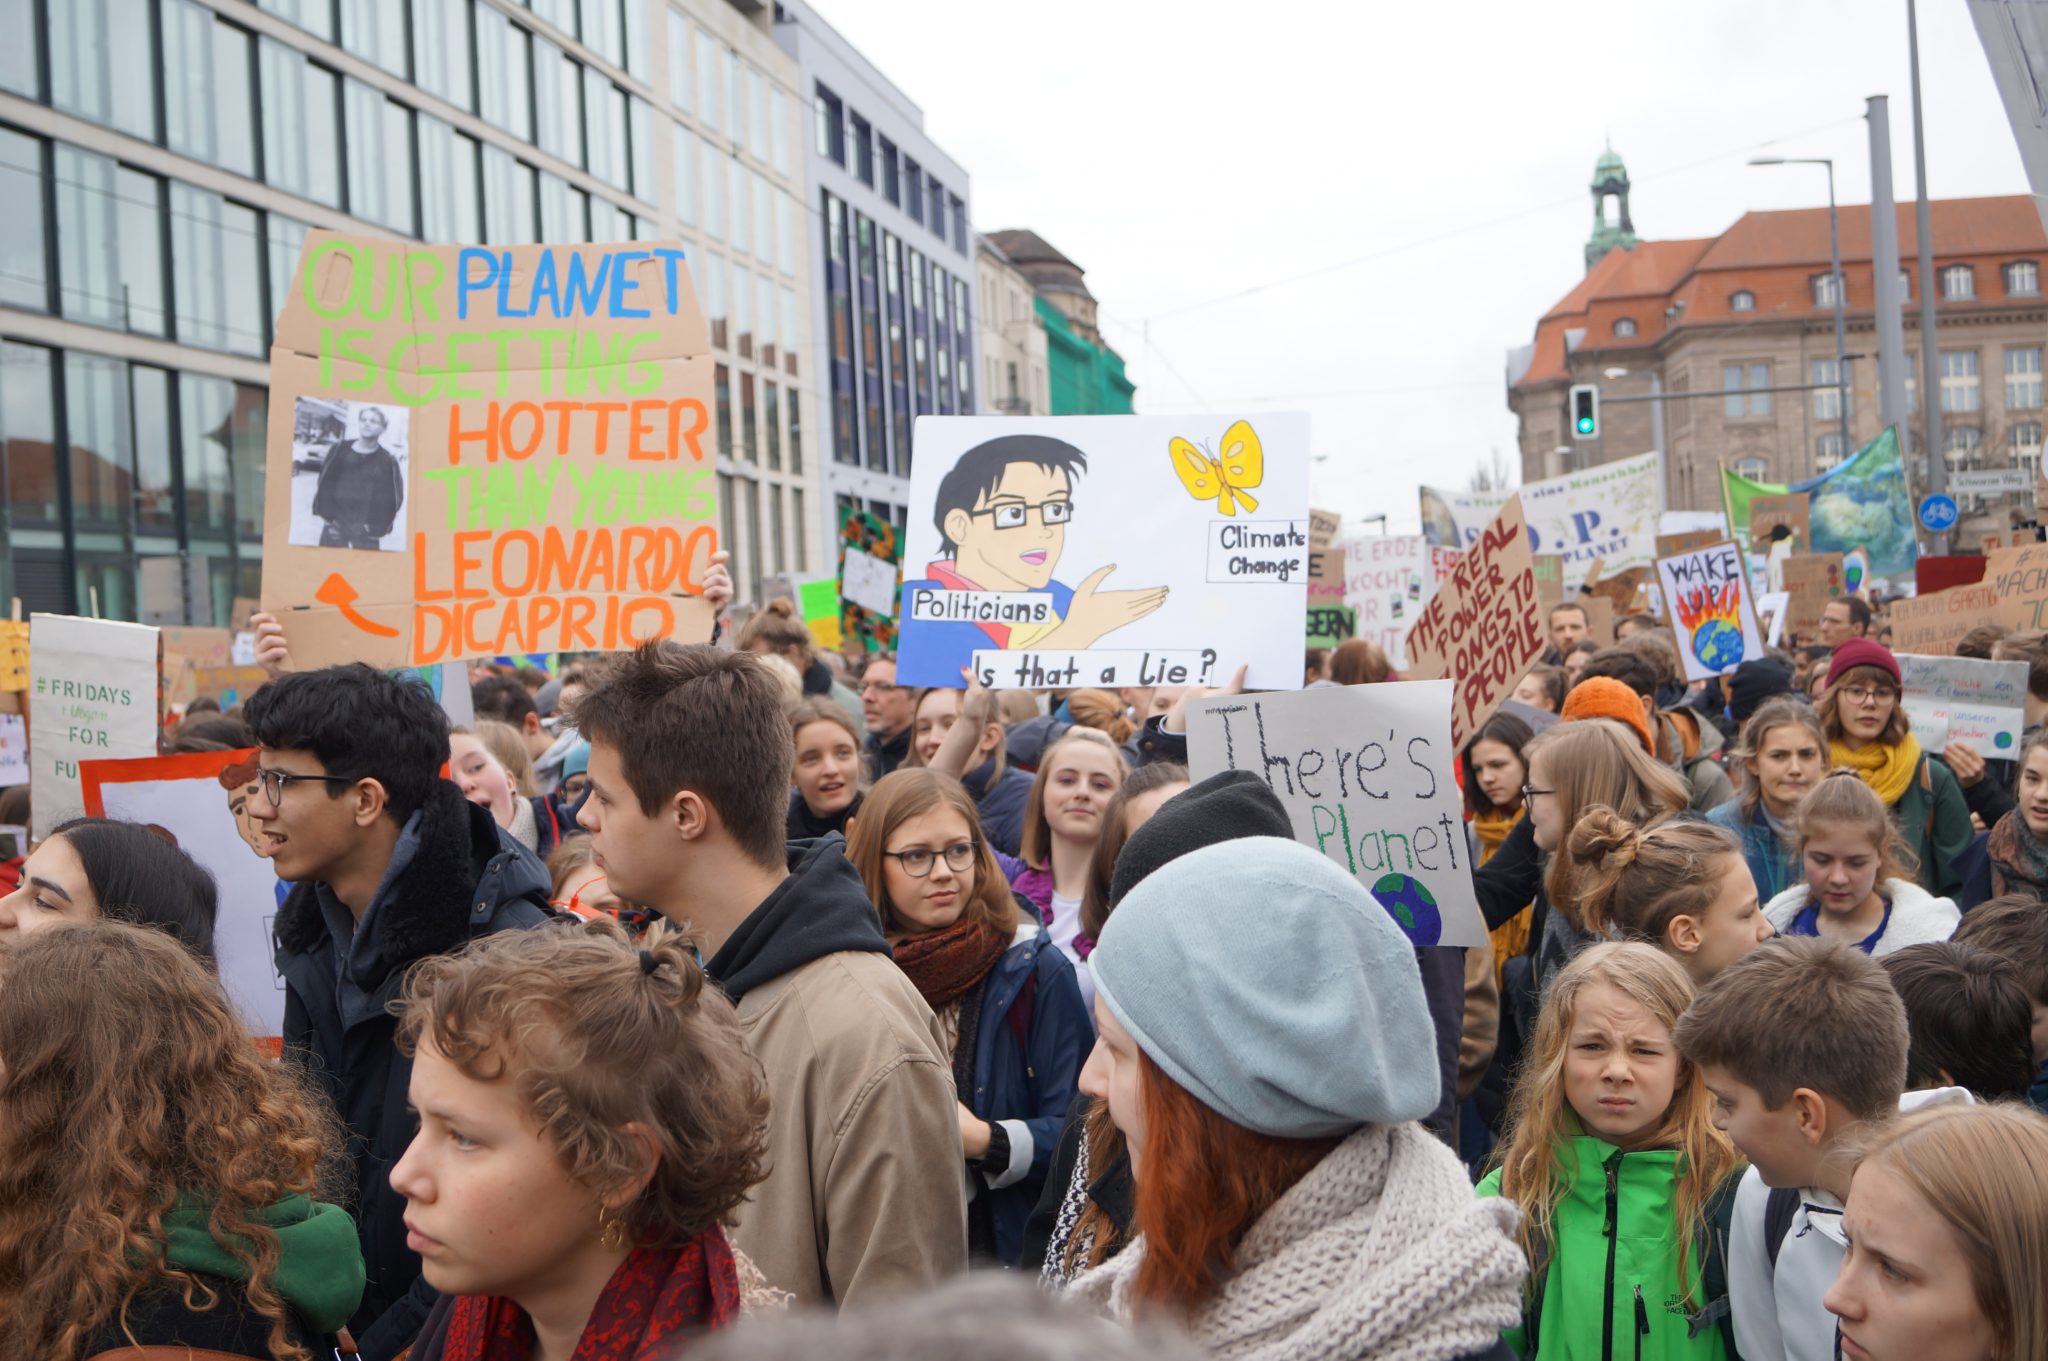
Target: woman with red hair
[{"x": 1268, "y": 1070}]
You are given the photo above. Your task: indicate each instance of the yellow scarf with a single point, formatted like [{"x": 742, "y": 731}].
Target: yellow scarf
[
  {"x": 1491, "y": 829},
  {"x": 1887, "y": 769}
]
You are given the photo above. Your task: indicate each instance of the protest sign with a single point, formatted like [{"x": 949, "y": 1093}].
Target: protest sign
[
  {"x": 13, "y": 750},
  {"x": 1366, "y": 774},
  {"x": 208, "y": 661},
  {"x": 2020, "y": 575},
  {"x": 1772, "y": 606},
  {"x": 1386, "y": 579},
  {"x": 1712, "y": 620},
  {"x": 93, "y": 695},
  {"x": 184, "y": 799},
  {"x": 1963, "y": 699},
  {"x": 868, "y": 582},
  {"x": 1322, "y": 527},
  {"x": 1931, "y": 574},
  {"x": 818, "y": 602},
  {"x": 1549, "y": 568},
  {"x": 13, "y": 656},
  {"x": 1604, "y": 513},
  {"x": 478, "y": 451},
  {"x": 873, "y": 537},
  {"x": 1932, "y": 625},
  {"x": 1811, "y": 580},
  {"x": 1793, "y": 510},
  {"x": 1599, "y": 618},
  {"x": 1481, "y": 628},
  {"x": 1106, "y": 551},
  {"x": 1330, "y": 620},
  {"x": 1671, "y": 545}
]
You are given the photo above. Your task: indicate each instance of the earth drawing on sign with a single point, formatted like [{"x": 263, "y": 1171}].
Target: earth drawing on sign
[{"x": 1412, "y": 906}]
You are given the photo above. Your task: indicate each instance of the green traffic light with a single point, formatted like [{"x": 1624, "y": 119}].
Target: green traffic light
[{"x": 1585, "y": 425}]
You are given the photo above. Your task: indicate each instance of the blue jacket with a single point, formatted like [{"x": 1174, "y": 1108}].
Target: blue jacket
[
  {"x": 1000, "y": 799},
  {"x": 1774, "y": 864},
  {"x": 1028, "y": 1093}
]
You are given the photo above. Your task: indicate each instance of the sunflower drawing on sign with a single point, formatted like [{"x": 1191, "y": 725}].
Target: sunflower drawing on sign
[{"x": 1226, "y": 477}]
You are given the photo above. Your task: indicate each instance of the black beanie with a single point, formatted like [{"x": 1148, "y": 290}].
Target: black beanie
[
  {"x": 1753, "y": 683},
  {"x": 1223, "y": 807}
]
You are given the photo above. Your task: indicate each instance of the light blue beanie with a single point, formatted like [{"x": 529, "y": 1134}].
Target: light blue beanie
[{"x": 1266, "y": 981}]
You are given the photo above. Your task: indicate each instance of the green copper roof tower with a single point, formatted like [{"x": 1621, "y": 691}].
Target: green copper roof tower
[{"x": 1612, "y": 226}]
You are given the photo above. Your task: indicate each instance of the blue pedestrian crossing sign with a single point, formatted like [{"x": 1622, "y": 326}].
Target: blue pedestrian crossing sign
[{"x": 1938, "y": 513}]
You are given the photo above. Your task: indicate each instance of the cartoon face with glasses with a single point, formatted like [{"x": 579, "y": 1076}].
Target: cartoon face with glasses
[{"x": 1002, "y": 512}]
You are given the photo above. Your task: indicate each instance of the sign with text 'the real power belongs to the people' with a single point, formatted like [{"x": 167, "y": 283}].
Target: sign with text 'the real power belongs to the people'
[
  {"x": 1481, "y": 629},
  {"x": 488, "y": 451}
]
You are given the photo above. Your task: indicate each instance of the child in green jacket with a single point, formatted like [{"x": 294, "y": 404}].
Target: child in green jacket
[{"x": 1618, "y": 1169}]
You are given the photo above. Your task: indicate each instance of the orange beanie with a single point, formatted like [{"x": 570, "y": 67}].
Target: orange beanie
[{"x": 1605, "y": 697}]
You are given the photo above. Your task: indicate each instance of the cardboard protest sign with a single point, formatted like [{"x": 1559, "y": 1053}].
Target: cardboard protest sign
[
  {"x": 1811, "y": 580},
  {"x": 1549, "y": 569},
  {"x": 204, "y": 661},
  {"x": 818, "y": 602},
  {"x": 1386, "y": 579},
  {"x": 1322, "y": 527},
  {"x": 185, "y": 799},
  {"x": 483, "y": 451},
  {"x": 93, "y": 695},
  {"x": 1671, "y": 545},
  {"x": 1712, "y": 619},
  {"x": 871, "y": 537},
  {"x": 1932, "y": 625},
  {"x": 13, "y": 656},
  {"x": 1794, "y": 510},
  {"x": 1962, "y": 699},
  {"x": 13, "y": 750},
  {"x": 1330, "y": 620},
  {"x": 1481, "y": 629},
  {"x": 1366, "y": 773},
  {"x": 1607, "y": 512},
  {"x": 1106, "y": 551},
  {"x": 2020, "y": 575},
  {"x": 1599, "y": 618},
  {"x": 868, "y": 582}
]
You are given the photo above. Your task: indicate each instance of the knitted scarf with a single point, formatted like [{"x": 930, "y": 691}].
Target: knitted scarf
[
  {"x": 2019, "y": 859},
  {"x": 943, "y": 965},
  {"x": 653, "y": 1304},
  {"x": 1886, "y": 768},
  {"x": 1491, "y": 829},
  {"x": 1381, "y": 1251}
]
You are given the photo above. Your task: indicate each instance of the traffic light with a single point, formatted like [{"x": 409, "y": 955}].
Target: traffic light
[{"x": 1585, "y": 411}]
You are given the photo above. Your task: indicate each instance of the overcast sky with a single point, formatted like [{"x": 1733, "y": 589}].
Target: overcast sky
[{"x": 1427, "y": 163}]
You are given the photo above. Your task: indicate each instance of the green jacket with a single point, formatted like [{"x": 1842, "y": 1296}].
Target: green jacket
[
  {"x": 1934, "y": 821},
  {"x": 1610, "y": 1290},
  {"x": 319, "y": 1267}
]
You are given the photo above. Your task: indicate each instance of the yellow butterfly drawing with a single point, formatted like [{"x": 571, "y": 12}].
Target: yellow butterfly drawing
[{"x": 1241, "y": 465}]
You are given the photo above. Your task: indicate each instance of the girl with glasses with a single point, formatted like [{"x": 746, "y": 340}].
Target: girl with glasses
[
  {"x": 1868, "y": 732},
  {"x": 1006, "y": 999}
]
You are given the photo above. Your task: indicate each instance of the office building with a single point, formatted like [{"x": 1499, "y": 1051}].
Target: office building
[
  {"x": 1086, "y": 377},
  {"x": 1013, "y": 342}
]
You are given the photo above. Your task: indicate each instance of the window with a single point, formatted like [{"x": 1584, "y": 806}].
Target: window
[
  {"x": 938, "y": 221},
  {"x": 752, "y": 491},
  {"x": 709, "y": 272},
  {"x": 1742, "y": 300},
  {"x": 750, "y": 445},
  {"x": 212, "y": 242},
  {"x": 789, "y": 359},
  {"x": 707, "y": 81},
  {"x": 1624, "y": 328},
  {"x": 764, "y": 320},
  {"x": 786, "y": 212},
  {"x": 771, "y": 424},
  {"x": 685, "y": 144},
  {"x": 441, "y": 46},
  {"x": 757, "y": 113},
  {"x": 557, "y": 102},
  {"x": 721, "y": 379},
  {"x": 913, "y": 189},
  {"x": 604, "y": 121},
  {"x": 503, "y": 54},
  {"x": 560, "y": 13},
  {"x": 609, "y": 222},
  {"x": 1959, "y": 390},
  {"x": 678, "y": 60},
  {"x": 892, "y": 187},
  {"x": 102, "y": 458},
  {"x": 796, "y": 460},
  {"x": 375, "y": 31},
  {"x": 2022, "y": 376},
  {"x": 959, "y": 222},
  {"x": 380, "y": 178},
  {"x": 735, "y": 107},
  {"x": 1827, "y": 451},
  {"x": 206, "y": 88},
  {"x": 1753, "y": 468},
  {"x": 449, "y": 211},
  {"x": 284, "y": 238},
  {"x": 1905, "y": 287},
  {"x": 156, "y": 506},
  {"x": 509, "y": 199},
  {"x": 1826, "y": 289},
  {"x": 101, "y": 63},
  {"x": 860, "y": 141},
  {"x": 741, "y": 202},
  {"x": 315, "y": 16},
  {"x": 29, "y": 439},
  {"x": 1958, "y": 282},
  {"x": 714, "y": 192},
  {"x": 110, "y": 254},
  {"x": 640, "y": 149},
  {"x": 2022, "y": 279},
  {"x": 635, "y": 39},
  {"x": 564, "y": 213},
  {"x": 775, "y": 528},
  {"x": 301, "y": 131},
  {"x": 2023, "y": 441},
  {"x": 742, "y": 301},
  {"x": 23, "y": 272},
  {"x": 602, "y": 29},
  {"x": 1738, "y": 403},
  {"x": 1960, "y": 444},
  {"x": 764, "y": 216},
  {"x": 831, "y": 127},
  {"x": 1827, "y": 401},
  {"x": 1912, "y": 382},
  {"x": 778, "y": 129},
  {"x": 207, "y": 436},
  {"x": 18, "y": 46}
]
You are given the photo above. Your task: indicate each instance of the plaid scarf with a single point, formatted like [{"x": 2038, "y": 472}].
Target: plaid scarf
[
  {"x": 943, "y": 965},
  {"x": 2019, "y": 859}
]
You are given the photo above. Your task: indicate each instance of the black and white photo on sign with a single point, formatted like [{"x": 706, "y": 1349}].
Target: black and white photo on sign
[{"x": 348, "y": 474}]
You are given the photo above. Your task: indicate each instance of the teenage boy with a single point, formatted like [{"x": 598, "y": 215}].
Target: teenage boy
[
  {"x": 390, "y": 865},
  {"x": 2015, "y": 928},
  {"x": 1803, "y": 1044},
  {"x": 1969, "y": 1019},
  {"x": 690, "y": 758}
]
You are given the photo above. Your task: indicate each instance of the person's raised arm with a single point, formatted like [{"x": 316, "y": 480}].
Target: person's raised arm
[{"x": 977, "y": 714}]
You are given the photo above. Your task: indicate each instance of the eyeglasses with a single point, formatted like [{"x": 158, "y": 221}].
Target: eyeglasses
[
  {"x": 1869, "y": 694},
  {"x": 1530, "y": 791},
  {"x": 274, "y": 781},
  {"x": 571, "y": 789},
  {"x": 1013, "y": 514},
  {"x": 917, "y": 861}
]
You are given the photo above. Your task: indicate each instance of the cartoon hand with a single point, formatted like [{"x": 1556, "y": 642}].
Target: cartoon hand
[{"x": 1093, "y": 612}]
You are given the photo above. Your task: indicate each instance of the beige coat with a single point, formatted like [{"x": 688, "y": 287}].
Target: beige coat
[{"x": 865, "y": 1193}]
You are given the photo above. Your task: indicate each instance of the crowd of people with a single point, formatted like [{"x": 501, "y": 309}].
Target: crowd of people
[{"x": 736, "y": 1001}]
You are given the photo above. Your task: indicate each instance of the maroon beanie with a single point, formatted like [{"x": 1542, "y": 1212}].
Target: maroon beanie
[{"x": 1863, "y": 652}]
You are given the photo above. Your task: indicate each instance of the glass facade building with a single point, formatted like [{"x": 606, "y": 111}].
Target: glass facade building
[{"x": 164, "y": 159}]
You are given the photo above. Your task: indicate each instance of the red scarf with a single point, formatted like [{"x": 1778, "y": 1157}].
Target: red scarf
[
  {"x": 943, "y": 965},
  {"x": 652, "y": 1304}
]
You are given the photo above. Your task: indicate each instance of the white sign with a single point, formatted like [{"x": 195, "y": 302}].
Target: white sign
[
  {"x": 1110, "y": 550},
  {"x": 1989, "y": 481},
  {"x": 1605, "y": 514},
  {"x": 1387, "y": 578},
  {"x": 92, "y": 696},
  {"x": 1962, "y": 699},
  {"x": 1774, "y": 605},
  {"x": 1713, "y": 625},
  {"x": 13, "y": 750},
  {"x": 869, "y": 582},
  {"x": 1366, "y": 774}
]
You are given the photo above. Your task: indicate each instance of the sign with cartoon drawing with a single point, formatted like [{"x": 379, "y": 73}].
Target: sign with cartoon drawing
[
  {"x": 1712, "y": 620},
  {"x": 1106, "y": 551}
]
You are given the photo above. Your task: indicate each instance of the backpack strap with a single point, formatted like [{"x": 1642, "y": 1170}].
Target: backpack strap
[
  {"x": 1779, "y": 1207},
  {"x": 1712, "y": 1248}
]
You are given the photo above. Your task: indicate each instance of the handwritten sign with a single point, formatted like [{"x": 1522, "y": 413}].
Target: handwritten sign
[
  {"x": 1811, "y": 580},
  {"x": 1772, "y": 605},
  {"x": 1481, "y": 628},
  {"x": 1671, "y": 545},
  {"x": 13, "y": 750},
  {"x": 1549, "y": 578},
  {"x": 1366, "y": 774},
  {"x": 1322, "y": 527},
  {"x": 818, "y": 602},
  {"x": 487, "y": 451},
  {"x": 1962, "y": 699},
  {"x": 1712, "y": 619},
  {"x": 2020, "y": 575},
  {"x": 13, "y": 656},
  {"x": 1793, "y": 510},
  {"x": 1605, "y": 513},
  {"x": 93, "y": 695},
  {"x": 1330, "y": 620},
  {"x": 207, "y": 661},
  {"x": 1932, "y": 625},
  {"x": 874, "y": 537},
  {"x": 1386, "y": 580},
  {"x": 869, "y": 582}
]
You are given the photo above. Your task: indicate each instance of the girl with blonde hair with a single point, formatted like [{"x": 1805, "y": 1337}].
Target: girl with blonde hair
[
  {"x": 1782, "y": 753},
  {"x": 1681, "y": 886},
  {"x": 1613, "y": 1157},
  {"x": 1063, "y": 822},
  {"x": 1859, "y": 884}
]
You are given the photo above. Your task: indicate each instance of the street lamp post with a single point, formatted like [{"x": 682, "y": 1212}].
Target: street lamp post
[{"x": 1839, "y": 287}]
